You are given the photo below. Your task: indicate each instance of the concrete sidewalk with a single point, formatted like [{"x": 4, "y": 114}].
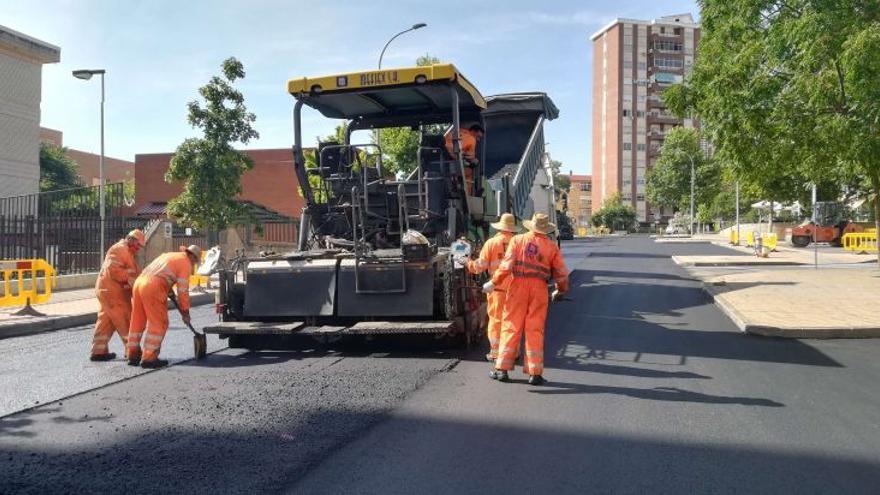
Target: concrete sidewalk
[
  {"x": 799, "y": 302},
  {"x": 65, "y": 309},
  {"x": 784, "y": 255}
]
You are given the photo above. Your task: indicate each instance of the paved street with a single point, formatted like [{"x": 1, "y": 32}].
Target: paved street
[{"x": 651, "y": 389}]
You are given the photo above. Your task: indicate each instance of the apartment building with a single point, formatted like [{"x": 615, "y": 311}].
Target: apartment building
[
  {"x": 21, "y": 69},
  {"x": 634, "y": 61},
  {"x": 580, "y": 200}
]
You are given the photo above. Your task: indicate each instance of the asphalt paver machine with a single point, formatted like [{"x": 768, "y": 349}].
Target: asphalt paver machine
[{"x": 374, "y": 255}]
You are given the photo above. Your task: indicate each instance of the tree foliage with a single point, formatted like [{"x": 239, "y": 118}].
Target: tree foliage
[
  {"x": 614, "y": 214},
  {"x": 400, "y": 145},
  {"x": 668, "y": 183},
  {"x": 57, "y": 170},
  {"x": 209, "y": 167},
  {"x": 789, "y": 91}
]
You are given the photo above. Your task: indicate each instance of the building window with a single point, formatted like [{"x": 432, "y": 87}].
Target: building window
[
  {"x": 640, "y": 147},
  {"x": 627, "y": 40},
  {"x": 667, "y": 63},
  {"x": 640, "y": 198},
  {"x": 640, "y": 114},
  {"x": 627, "y": 65},
  {"x": 642, "y": 66},
  {"x": 668, "y": 46},
  {"x": 585, "y": 187},
  {"x": 677, "y": 30},
  {"x": 627, "y": 113},
  {"x": 627, "y": 146}
]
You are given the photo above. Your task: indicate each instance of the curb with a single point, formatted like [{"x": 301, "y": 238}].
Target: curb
[
  {"x": 786, "y": 332},
  {"x": 54, "y": 323},
  {"x": 745, "y": 262}
]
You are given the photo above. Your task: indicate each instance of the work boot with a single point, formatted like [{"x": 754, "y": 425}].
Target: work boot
[
  {"x": 500, "y": 375},
  {"x": 155, "y": 363},
  {"x": 134, "y": 359},
  {"x": 537, "y": 380},
  {"x": 103, "y": 357}
]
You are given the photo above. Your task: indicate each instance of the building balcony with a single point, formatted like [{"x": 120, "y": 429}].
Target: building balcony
[{"x": 663, "y": 118}]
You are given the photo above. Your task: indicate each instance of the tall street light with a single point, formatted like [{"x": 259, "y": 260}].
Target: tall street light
[
  {"x": 85, "y": 75},
  {"x": 413, "y": 28}
]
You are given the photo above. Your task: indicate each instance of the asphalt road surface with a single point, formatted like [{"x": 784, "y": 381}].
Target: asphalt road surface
[{"x": 651, "y": 389}]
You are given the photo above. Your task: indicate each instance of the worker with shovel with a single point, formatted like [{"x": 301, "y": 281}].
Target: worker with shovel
[
  {"x": 150, "y": 303},
  {"x": 490, "y": 259},
  {"x": 113, "y": 290},
  {"x": 532, "y": 260}
]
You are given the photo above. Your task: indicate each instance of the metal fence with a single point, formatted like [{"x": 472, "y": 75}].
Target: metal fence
[
  {"x": 270, "y": 233},
  {"x": 63, "y": 227}
]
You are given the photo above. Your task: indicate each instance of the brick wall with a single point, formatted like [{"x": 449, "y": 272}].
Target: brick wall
[{"x": 271, "y": 183}]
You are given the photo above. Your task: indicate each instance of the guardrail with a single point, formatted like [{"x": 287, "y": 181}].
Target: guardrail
[
  {"x": 26, "y": 275},
  {"x": 860, "y": 242}
]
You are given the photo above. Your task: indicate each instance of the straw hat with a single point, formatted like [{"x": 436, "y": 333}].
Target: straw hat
[
  {"x": 507, "y": 223},
  {"x": 193, "y": 250},
  {"x": 540, "y": 223}
]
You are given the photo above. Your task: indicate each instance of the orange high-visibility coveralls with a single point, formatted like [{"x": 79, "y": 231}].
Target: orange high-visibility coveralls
[
  {"x": 532, "y": 259},
  {"x": 468, "y": 144},
  {"x": 150, "y": 303},
  {"x": 490, "y": 259},
  {"x": 113, "y": 290}
]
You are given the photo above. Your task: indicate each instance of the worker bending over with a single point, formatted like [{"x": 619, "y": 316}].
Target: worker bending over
[
  {"x": 150, "y": 303},
  {"x": 113, "y": 290},
  {"x": 468, "y": 139},
  {"x": 531, "y": 261},
  {"x": 490, "y": 259}
]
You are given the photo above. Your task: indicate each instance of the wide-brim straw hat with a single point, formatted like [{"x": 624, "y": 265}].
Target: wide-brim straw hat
[
  {"x": 540, "y": 223},
  {"x": 193, "y": 250},
  {"x": 507, "y": 223}
]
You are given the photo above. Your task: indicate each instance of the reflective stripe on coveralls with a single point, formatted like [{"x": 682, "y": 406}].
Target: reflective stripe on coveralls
[
  {"x": 531, "y": 260},
  {"x": 490, "y": 259},
  {"x": 113, "y": 290},
  {"x": 150, "y": 302}
]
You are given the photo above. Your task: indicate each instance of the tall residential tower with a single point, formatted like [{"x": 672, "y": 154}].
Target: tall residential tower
[{"x": 633, "y": 62}]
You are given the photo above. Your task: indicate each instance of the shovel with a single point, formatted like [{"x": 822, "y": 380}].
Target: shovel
[{"x": 200, "y": 342}]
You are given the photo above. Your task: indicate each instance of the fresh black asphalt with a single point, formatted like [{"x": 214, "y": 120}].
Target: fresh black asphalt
[{"x": 651, "y": 389}]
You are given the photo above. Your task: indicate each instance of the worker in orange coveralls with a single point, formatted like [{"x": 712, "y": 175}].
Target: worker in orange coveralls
[
  {"x": 113, "y": 290},
  {"x": 490, "y": 259},
  {"x": 468, "y": 144},
  {"x": 150, "y": 303},
  {"x": 531, "y": 261}
]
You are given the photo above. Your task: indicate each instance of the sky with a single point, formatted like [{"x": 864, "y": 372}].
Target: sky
[{"x": 157, "y": 53}]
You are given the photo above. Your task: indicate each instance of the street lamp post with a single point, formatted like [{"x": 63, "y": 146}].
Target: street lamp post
[
  {"x": 86, "y": 74},
  {"x": 692, "y": 195},
  {"x": 413, "y": 28}
]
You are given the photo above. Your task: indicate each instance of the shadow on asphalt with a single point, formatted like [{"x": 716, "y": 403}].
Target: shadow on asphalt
[
  {"x": 281, "y": 454},
  {"x": 621, "y": 318},
  {"x": 671, "y": 394}
]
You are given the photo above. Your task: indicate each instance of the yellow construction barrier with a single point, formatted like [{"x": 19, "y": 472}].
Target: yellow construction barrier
[
  {"x": 21, "y": 283},
  {"x": 860, "y": 242},
  {"x": 769, "y": 241},
  {"x": 734, "y": 238},
  {"x": 582, "y": 231},
  {"x": 750, "y": 239}
]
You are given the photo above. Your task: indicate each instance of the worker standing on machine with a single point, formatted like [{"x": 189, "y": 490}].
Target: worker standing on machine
[
  {"x": 490, "y": 259},
  {"x": 113, "y": 290},
  {"x": 468, "y": 139},
  {"x": 150, "y": 303},
  {"x": 531, "y": 261}
]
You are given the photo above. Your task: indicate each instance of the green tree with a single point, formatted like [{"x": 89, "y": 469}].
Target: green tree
[
  {"x": 614, "y": 214},
  {"x": 400, "y": 145},
  {"x": 209, "y": 167},
  {"x": 57, "y": 170},
  {"x": 668, "y": 183},
  {"x": 789, "y": 90}
]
